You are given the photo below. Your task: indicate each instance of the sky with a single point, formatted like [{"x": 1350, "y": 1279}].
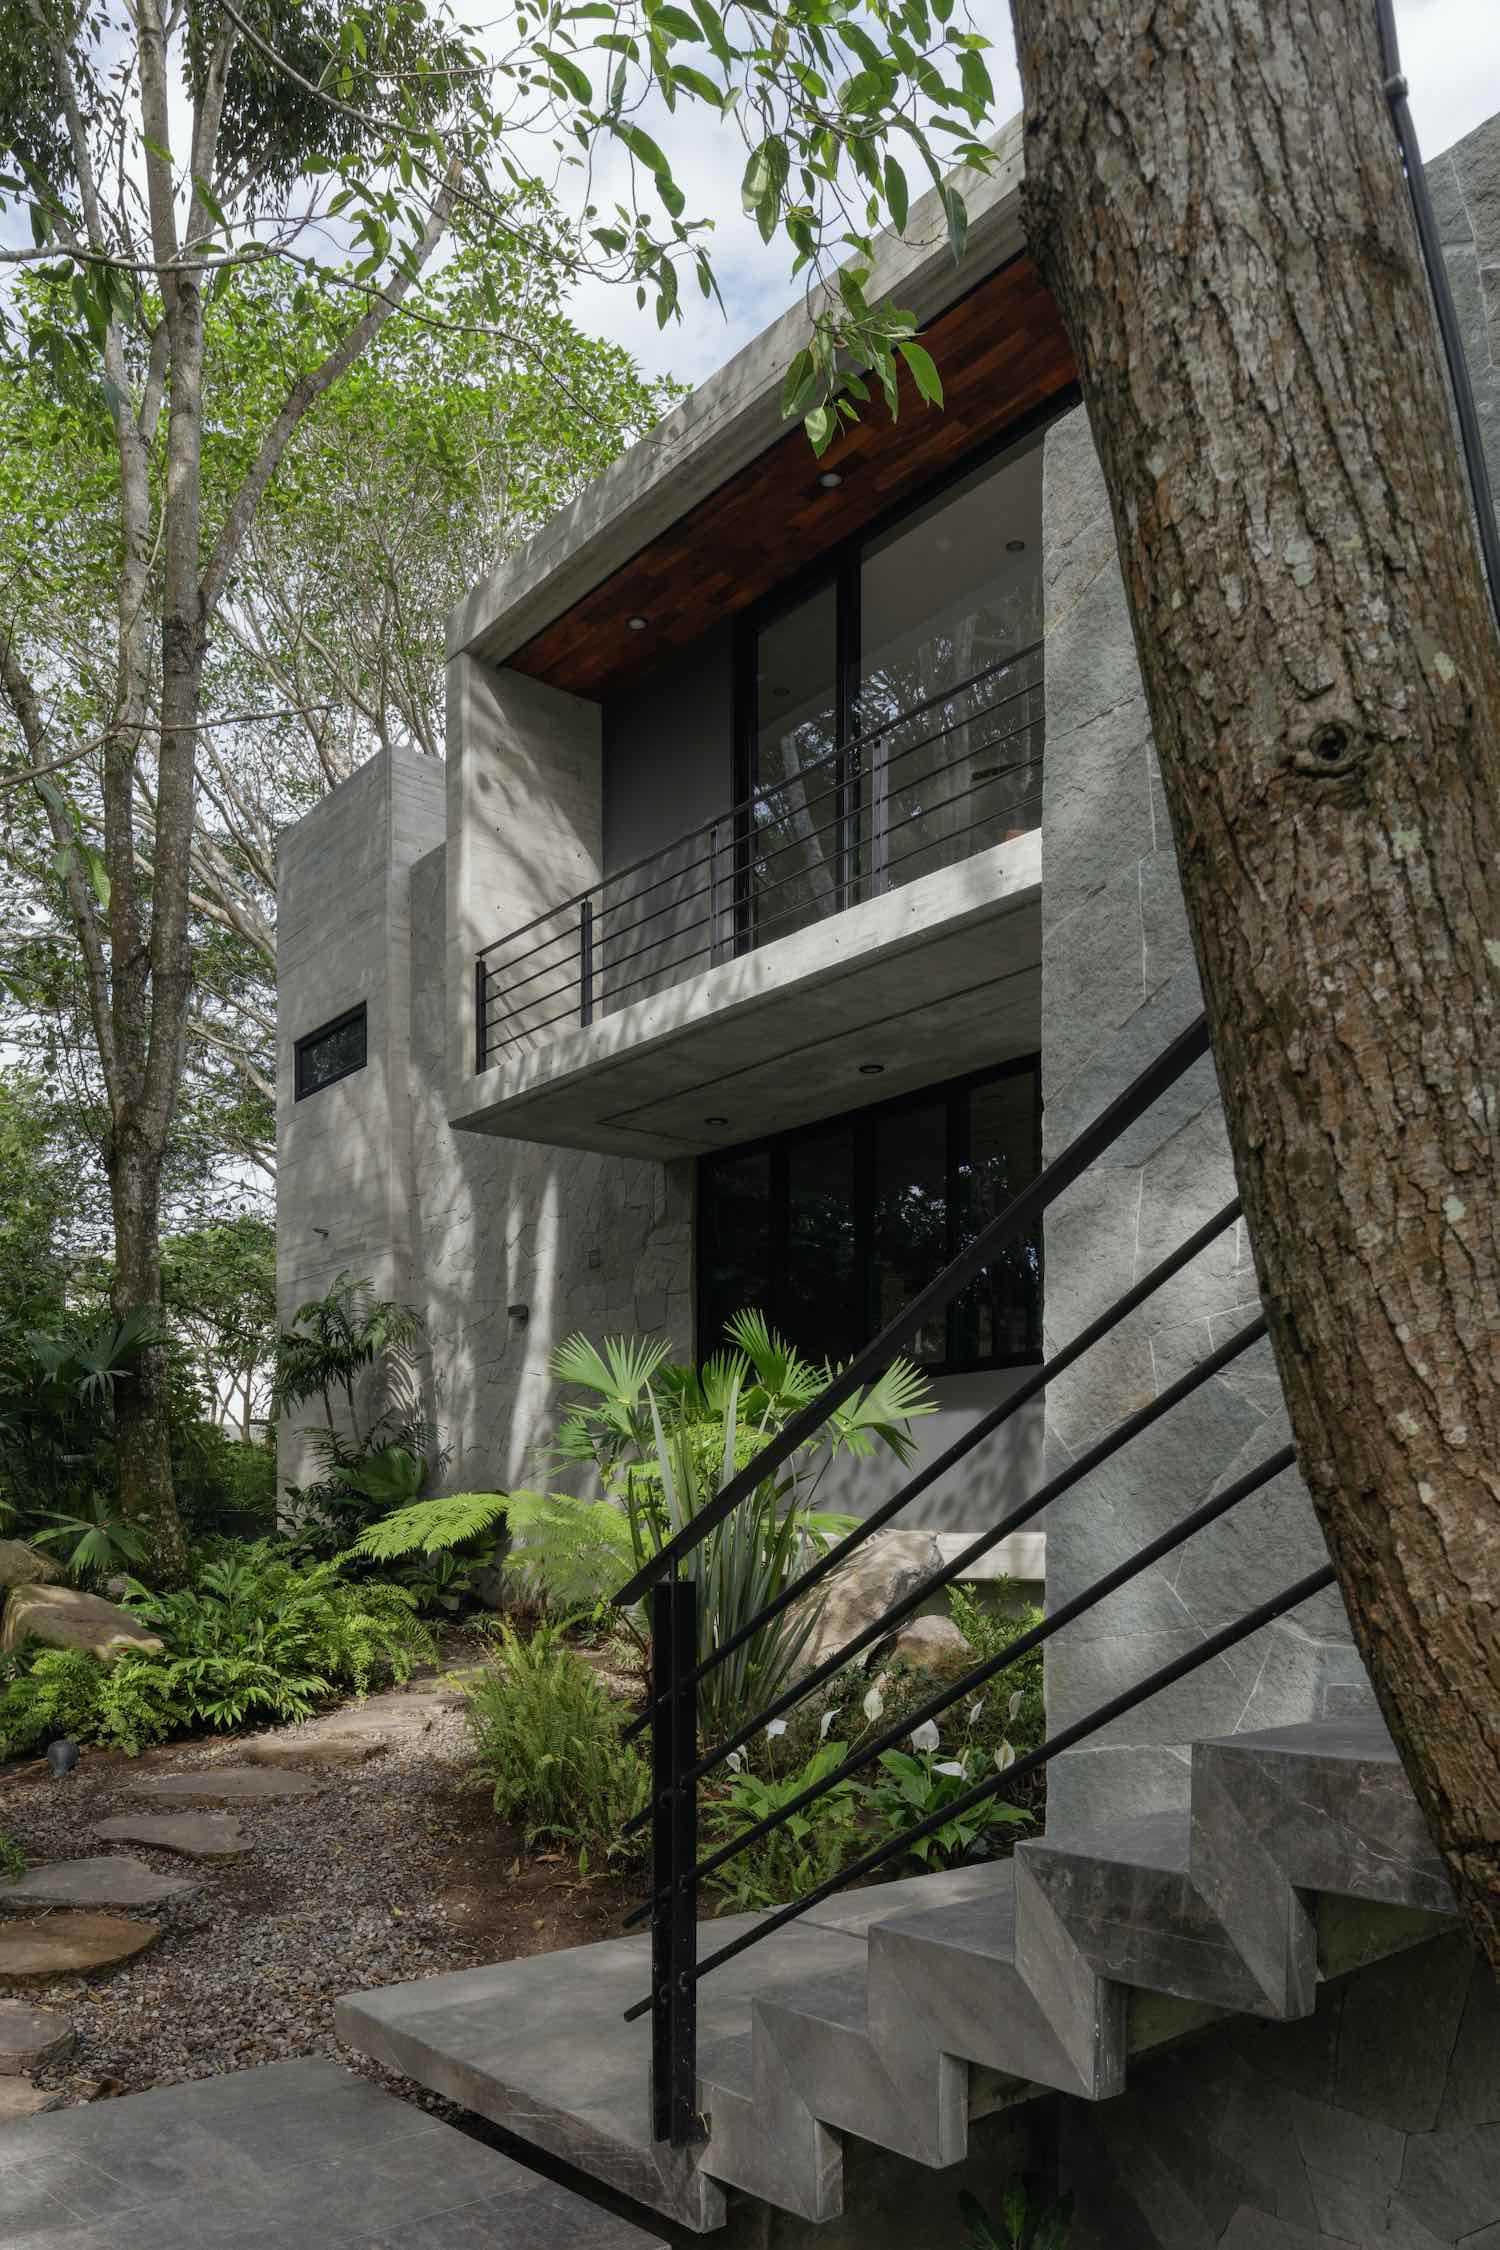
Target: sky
[{"x": 1450, "y": 52}]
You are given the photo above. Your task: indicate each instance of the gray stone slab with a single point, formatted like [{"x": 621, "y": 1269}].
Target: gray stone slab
[
  {"x": 541, "y": 2046},
  {"x": 293, "y": 2157},
  {"x": 113, "y": 1879},
  {"x": 224, "y": 1785},
  {"x": 201, "y": 1835},
  {"x": 30, "y": 2036}
]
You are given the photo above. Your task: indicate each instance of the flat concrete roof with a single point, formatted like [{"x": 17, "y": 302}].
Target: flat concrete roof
[{"x": 727, "y": 421}]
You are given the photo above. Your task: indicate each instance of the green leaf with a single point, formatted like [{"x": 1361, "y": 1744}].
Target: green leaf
[
  {"x": 819, "y": 425},
  {"x": 896, "y": 193},
  {"x": 210, "y": 202},
  {"x": 640, "y": 144},
  {"x": 924, "y": 372},
  {"x": 567, "y": 72},
  {"x": 958, "y": 222}
]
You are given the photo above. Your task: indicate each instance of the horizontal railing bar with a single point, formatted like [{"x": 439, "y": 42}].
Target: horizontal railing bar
[
  {"x": 1093, "y": 1457},
  {"x": 996, "y": 1417},
  {"x": 1015, "y": 1220},
  {"x": 865, "y": 1753},
  {"x": 532, "y": 1030},
  {"x": 1167, "y": 1675},
  {"x": 609, "y": 936},
  {"x": 567, "y": 935},
  {"x": 842, "y": 749},
  {"x": 539, "y": 1000}
]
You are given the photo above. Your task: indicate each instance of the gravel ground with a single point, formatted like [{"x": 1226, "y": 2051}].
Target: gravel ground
[{"x": 393, "y": 1870}]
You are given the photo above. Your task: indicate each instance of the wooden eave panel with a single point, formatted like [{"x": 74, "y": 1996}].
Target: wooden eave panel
[{"x": 1002, "y": 353}]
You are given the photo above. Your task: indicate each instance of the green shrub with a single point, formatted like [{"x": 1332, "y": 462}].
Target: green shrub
[
  {"x": 990, "y": 1632},
  {"x": 1019, "y": 2223},
  {"x": 547, "y": 1745},
  {"x": 12, "y": 1858},
  {"x": 799, "y": 1855},
  {"x": 254, "y": 1636},
  {"x": 917, "y": 1784}
]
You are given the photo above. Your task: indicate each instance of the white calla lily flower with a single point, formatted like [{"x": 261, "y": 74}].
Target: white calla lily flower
[
  {"x": 924, "y": 1737},
  {"x": 826, "y": 1722},
  {"x": 974, "y": 1710},
  {"x": 1015, "y": 1703},
  {"x": 874, "y": 1703},
  {"x": 1005, "y": 1756},
  {"x": 949, "y": 1765},
  {"x": 736, "y": 1761},
  {"x": 777, "y": 1726}
]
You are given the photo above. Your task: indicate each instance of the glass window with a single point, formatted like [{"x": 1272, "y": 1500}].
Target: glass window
[
  {"x": 819, "y": 1296},
  {"x": 832, "y": 1230},
  {"x": 794, "y": 845},
  {"x": 734, "y": 1239},
  {"x": 950, "y": 625},
  {"x": 911, "y": 1215},
  {"x": 332, "y": 1051}
]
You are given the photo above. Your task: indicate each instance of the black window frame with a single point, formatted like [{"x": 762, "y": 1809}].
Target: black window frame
[
  {"x": 359, "y": 1013},
  {"x": 953, "y": 1094}
]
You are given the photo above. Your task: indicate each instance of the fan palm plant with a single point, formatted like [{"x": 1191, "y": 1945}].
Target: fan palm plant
[{"x": 665, "y": 1440}]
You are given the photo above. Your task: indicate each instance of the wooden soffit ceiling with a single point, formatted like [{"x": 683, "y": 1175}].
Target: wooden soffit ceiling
[{"x": 1002, "y": 354}]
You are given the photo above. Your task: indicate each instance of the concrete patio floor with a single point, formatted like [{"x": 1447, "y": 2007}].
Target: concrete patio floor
[{"x": 294, "y": 2156}]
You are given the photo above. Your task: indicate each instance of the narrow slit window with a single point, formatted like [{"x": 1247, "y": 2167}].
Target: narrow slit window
[{"x": 331, "y": 1052}]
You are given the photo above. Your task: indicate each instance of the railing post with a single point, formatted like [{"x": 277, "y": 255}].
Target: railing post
[
  {"x": 586, "y": 960},
  {"x": 481, "y": 1027},
  {"x": 674, "y": 1856},
  {"x": 880, "y": 817}
]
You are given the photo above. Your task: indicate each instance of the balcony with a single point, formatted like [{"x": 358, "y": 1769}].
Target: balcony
[{"x": 761, "y": 969}]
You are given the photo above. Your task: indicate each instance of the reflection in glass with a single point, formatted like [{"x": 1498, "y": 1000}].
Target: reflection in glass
[
  {"x": 1000, "y": 1316},
  {"x": 821, "y": 1300},
  {"x": 951, "y": 674},
  {"x": 734, "y": 1228},
  {"x": 794, "y": 845},
  {"x": 911, "y": 1216}
]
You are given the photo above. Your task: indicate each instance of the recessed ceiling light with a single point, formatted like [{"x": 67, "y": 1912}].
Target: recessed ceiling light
[
  {"x": 871, "y": 1070},
  {"x": 716, "y": 1121},
  {"x": 636, "y": 624},
  {"x": 1015, "y": 546},
  {"x": 831, "y": 479}
]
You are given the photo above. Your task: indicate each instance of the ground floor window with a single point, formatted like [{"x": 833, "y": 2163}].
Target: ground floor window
[{"x": 831, "y": 1229}]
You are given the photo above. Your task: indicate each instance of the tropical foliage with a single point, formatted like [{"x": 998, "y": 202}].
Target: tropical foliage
[
  {"x": 252, "y": 1638},
  {"x": 664, "y": 1440},
  {"x": 547, "y": 1746}
]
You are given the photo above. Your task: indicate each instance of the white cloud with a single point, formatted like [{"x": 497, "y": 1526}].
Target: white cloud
[{"x": 1449, "y": 51}]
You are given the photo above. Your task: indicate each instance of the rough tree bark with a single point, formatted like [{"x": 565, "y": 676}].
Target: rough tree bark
[{"x": 1215, "y": 197}]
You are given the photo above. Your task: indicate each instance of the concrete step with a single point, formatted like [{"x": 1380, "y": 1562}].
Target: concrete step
[{"x": 901, "y": 2012}]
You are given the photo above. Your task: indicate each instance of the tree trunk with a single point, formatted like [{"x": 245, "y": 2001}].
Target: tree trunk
[
  {"x": 1215, "y": 197},
  {"x": 141, "y": 1398}
]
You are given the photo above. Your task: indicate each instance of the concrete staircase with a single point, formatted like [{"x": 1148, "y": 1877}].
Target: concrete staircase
[{"x": 903, "y": 2013}]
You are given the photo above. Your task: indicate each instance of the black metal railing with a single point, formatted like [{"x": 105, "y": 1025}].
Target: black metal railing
[
  {"x": 680, "y": 1763},
  {"x": 944, "y": 778}
]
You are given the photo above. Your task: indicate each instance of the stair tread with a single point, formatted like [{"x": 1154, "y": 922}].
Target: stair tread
[
  {"x": 1356, "y": 1739},
  {"x": 1160, "y": 1840}
]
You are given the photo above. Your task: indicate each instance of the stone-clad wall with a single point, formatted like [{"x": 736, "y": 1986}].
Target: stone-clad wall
[
  {"x": 1374, "y": 2121},
  {"x": 1465, "y": 184},
  {"x": 601, "y": 1243},
  {"x": 1118, "y": 982}
]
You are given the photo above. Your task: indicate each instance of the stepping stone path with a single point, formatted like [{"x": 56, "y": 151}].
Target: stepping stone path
[
  {"x": 68, "y": 1945},
  {"x": 31, "y": 2036},
  {"x": 196, "y": 1835},
  {"x": 19, "y": 2098},
  {"x": 113, "y": 1879},
  {"x": 224, "y": 1785}
]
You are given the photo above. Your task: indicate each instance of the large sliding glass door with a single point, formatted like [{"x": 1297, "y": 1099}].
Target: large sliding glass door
[{"x": 894, "y": 710}]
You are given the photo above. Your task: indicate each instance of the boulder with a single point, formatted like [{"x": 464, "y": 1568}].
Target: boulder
[
  {"x": 890, "y": 1565},
  {"x": 21, "y": 1565},
  {"x": 929, "y": 1641},
  {"x": 61, "y": 1617}
]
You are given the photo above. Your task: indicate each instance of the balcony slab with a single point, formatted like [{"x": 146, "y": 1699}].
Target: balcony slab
[{"x": 939, "y": 977}]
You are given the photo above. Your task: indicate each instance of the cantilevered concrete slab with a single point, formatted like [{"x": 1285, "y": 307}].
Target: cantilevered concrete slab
[{"x": 933, "y": 979}]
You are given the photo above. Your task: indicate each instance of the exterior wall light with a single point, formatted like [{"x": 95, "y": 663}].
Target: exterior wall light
[
  {"x": 1015, "y": 546},
  {"x": 520, "y": 1314},
  {"x": 831, "y": 479},
  {"x": 636, "y": 624}
]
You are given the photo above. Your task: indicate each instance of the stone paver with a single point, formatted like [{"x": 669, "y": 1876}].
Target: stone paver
[
  {"x": 196, "y": 1835},
  {"x": 19, "y": 2098},
  {"x": 282, "y": 2158},
  {"x": 30, "y": 2036},
  {"x": 223, "y": 1785},
  {"x": 113, "y": 1879},
  {"x": 64, "y": 1945},
  {"x": 295, "y": 1749}
]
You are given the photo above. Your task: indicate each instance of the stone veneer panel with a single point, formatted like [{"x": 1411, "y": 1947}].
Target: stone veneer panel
[
  {"x": 1118, "y": 981},
  {"x": 1311, "y": 2135}
]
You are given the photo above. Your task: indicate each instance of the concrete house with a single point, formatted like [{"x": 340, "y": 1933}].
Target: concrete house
[{"x": 798, "y": 881}]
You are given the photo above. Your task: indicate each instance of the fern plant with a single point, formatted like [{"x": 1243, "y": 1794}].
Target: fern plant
[{"x": 547, "y": 1745}]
